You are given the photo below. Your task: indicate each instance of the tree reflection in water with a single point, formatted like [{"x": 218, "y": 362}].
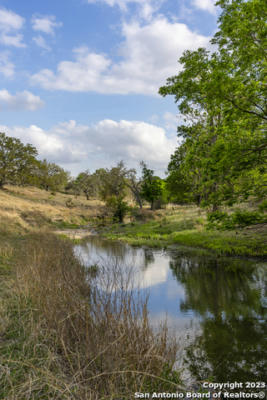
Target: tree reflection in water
[{"x": 228, "y": 297}]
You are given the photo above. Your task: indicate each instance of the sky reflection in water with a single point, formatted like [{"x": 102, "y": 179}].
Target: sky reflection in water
[{"x": 219, "y": 303}]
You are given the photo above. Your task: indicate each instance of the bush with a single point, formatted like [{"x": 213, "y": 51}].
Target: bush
[
  {"x": 245, "y": 218},
  {"x": 238, "y": 219},
  {"x": 263, "y": 206},
  {"x": 69, "y": 203},
  {"x": 118, "y": 207}
]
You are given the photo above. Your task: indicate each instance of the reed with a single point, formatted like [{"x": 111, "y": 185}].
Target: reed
[{"x": 67, "y": 337}]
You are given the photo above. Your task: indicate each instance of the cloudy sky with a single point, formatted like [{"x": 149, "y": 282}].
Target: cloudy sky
[{"x": 79, "y": 78}]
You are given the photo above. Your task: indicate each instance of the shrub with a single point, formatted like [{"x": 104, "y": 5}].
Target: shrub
[
  {"x": 69, "y": 203},
  {"x": 243, "y": 218},
  {"x": 263, "y": 206},
  {"x": 118, "y": 208},
  {"x": 238, "y": 219}
]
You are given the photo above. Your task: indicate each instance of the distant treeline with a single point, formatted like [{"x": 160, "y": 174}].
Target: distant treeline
[{"x": 19, "y": 166}]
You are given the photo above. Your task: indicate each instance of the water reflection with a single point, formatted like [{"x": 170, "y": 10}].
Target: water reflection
[
  {"x": 228, "y": 296},
  {"x": 225, "y": 297},
  {"x": 148, "y": 268}
]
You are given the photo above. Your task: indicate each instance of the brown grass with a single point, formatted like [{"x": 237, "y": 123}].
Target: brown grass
[
  {"x": 68, "y": 339},
  {"x": 29, "y": 208}
]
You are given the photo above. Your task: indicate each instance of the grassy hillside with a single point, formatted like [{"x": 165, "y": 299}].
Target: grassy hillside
[
  {"x": 29, "y": 209},
  {"x": 24, "y": 209}
]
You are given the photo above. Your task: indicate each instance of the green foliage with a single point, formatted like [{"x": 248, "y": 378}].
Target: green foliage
[
  {"x": 151, "y": 187},
  {"x": 238, "y": 219},
  {"x": 217, "y": 216},
  {"x": 243, "y": 218},
  {"x": 111, "y": 181},
  {"x": 177, "y": 184},
  {"x": 118, "y": 206},
  {"x": 182, "y": 228},
  {"x": 86, "y": 183},
  {"x": 111, "y": 186},
  {"x": 51, "y": 176},
  {"x": 222, "y": 98},
  {"x": 17, "y": 161},
  {"x": 263, "y": 206}
]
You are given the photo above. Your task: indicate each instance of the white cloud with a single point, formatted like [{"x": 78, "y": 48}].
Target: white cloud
[
  {"x": 20, "y": 101},
  {"x": 133, "y": 140},
  {"x": 10, "y": 25},
  {"x": 100, "y": 145},
  {"x": 7, "y": 68},
  {"x": 46, "y": 24},
  {"x": 171, "y": 120},
  {"x": 206, "y": 5},
  {"x": 149, "y": 55},
  {"x": 47, "y": 143},
  {"x": 41, "y": 42}
]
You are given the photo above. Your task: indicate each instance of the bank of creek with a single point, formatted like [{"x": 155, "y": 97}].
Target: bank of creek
[{"x": 214, "y": 305}]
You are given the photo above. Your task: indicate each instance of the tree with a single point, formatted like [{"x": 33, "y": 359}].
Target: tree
[
  {"x": 135, "y": 185},
  {"x": 242, "y": 44},
  {"x": 17, "y": 161},
  {"x": 112, "y": 181},
  {"x": 112, "y": 189},
  {"x": 151, "y": 187},
  {"x": 222, "y": 97},
  {"x": 87, "y": 183},
  {"x": 51, "y": 176},
  {"x": 178, "y": 186}
]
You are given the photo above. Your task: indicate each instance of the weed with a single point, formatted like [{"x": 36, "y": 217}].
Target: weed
[{"x": 67, "y": 338}]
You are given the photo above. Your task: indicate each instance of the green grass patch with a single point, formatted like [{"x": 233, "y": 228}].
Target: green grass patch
[
  {"x": 187, "y": 232},
  {"x": 65, "y": 225}
]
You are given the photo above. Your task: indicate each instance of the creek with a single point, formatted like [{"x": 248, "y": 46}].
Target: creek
[{"x": 216, "y": 306}]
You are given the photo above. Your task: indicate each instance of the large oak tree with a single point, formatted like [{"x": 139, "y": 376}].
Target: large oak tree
[
  {"x": 222, "y": 97},
  {"x": 17, "y": 161}
]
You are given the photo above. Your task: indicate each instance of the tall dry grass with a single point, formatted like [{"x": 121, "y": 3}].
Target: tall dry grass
[
  {"x": 69, "y": 338},
  {"x": 29, "y": 209}
]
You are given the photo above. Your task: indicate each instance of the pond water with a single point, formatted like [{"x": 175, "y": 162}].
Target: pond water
[{"x": 215, "y": 305}]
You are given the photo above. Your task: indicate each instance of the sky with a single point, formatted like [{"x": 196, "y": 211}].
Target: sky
[{"x": 79, "y": 79}]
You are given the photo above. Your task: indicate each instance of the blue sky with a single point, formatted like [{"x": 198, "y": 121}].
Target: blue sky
[{"x": 79, "y": 78}]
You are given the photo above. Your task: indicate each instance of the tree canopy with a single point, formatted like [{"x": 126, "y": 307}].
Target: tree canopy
[
  {"x": 17, "y": 161},
  {"x": 51, "y": 176},
  {"x": 151, "y": 186},
  {"x": 222, "y": 97}
]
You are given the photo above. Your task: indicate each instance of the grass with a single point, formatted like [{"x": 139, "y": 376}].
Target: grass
[
  {"x": 30, "y": 209},
  {"x": 186, "y": 226},
  {"x": 63, "y": 338},
  {"x": 25, "y": 209}
]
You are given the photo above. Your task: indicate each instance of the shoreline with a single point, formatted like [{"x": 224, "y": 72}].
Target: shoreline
[{"x": 224, "y": 243}]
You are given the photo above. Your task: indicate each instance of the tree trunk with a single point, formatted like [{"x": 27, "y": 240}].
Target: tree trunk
[
  {"x": 215, "y": 207},
  {"x": 139, "y": 202}
]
